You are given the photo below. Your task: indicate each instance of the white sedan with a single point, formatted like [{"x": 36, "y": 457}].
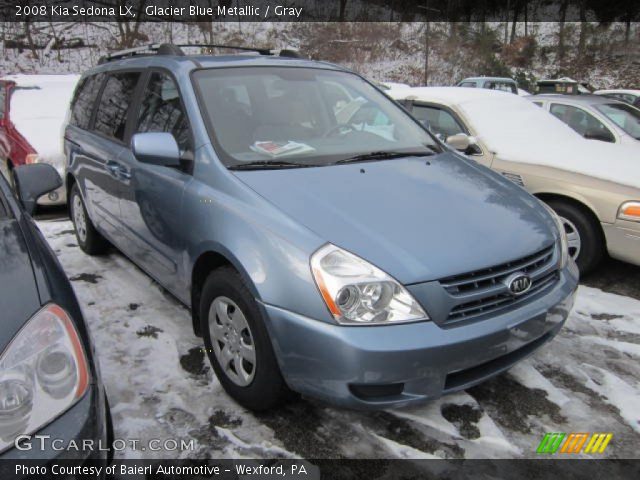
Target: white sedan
[{"x": 594, "y": 186}]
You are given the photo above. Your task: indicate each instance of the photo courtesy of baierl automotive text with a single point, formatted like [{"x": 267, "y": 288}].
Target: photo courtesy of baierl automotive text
[{"x": 350, "y": 239}]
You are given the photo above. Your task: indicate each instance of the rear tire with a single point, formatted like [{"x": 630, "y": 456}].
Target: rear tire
[
  {"x": 90, "y": 240},
  {"x": 242, "y": 356},
  {"x": 585, "y": 232}
]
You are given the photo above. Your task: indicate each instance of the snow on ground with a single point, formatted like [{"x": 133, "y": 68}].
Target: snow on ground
[{"x": 160, "y": 385}]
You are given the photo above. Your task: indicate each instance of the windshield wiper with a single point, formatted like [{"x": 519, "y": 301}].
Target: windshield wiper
[
  {"x": 267, "y": 164},
  {"x": 384, "y": 155}
]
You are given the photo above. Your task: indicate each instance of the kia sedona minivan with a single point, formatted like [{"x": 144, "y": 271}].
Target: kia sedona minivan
[{"x": 325, "y": 241}]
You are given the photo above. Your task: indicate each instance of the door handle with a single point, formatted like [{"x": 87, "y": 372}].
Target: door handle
[
  {"x": 112, "y": 168},
  {"x": 117, "y": 170}
]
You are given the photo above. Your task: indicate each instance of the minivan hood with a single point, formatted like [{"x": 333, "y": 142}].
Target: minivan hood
[{"x": 418, "y": 219}]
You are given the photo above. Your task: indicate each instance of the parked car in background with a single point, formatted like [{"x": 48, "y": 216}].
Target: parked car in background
[
  {"x": 391, "y": 85},
  {"x": 562, "y": 86},
  {"x": 32, "y": 114},
  {"x": 595, "y": 117},
  {"x": 491, "y": 83},
  {"x": 632, "y": 97},
  {"x": 49, "y": 380},
  {"x": 311, "y": 245},
  {"x": 593, "y": 186}
]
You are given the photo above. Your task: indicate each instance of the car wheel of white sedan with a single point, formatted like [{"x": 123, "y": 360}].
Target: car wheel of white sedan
[
  {"x": 584, "y": 234},
  {"x": 573, "y": 237}
]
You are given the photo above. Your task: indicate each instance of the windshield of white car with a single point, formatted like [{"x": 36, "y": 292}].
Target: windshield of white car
[
  {"x": 623, "y": 115},
  {"x": 304, "y": 116}
]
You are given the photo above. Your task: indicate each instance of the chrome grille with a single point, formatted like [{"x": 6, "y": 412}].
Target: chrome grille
[{"x": 483, "y": 292}]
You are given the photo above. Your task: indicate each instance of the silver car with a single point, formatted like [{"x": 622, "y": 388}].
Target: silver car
[{"x": 595, "y": 117}]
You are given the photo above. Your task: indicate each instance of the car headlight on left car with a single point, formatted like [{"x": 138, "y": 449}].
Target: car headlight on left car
[
  {"x": 43, "y": 372},
  {"x": 562, "y": 234},
  {"x": 358, "y": 293}
]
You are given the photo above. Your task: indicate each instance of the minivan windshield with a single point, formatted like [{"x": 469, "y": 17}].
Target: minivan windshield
[
  {"x": 266, "y": 117},
  {"x": 623, "y": 115}
]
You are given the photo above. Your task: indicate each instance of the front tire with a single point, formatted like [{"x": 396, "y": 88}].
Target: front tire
[
  {"x": 238, "y": 344},
  {"x": 90, "y": 240},
  {"x": 586, "y": 242}
]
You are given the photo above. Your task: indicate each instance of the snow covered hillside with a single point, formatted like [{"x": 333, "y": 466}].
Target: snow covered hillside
[{"x": 606, "y": 55}]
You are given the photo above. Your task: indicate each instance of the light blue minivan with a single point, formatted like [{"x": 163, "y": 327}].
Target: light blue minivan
[{"x": 326, "y": 243}]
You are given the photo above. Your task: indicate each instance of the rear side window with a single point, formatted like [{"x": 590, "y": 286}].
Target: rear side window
[
  {"x": 117, "y": 95},
  {"x": 582, "y": 122},
  {"x": 161, "y": 110},
  {"x": 502, "y": 86},
  {"x": 468, "y": 84},
  {"x": 82, "y": 105}
]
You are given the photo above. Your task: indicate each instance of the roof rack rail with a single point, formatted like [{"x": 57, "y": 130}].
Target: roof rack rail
[
  {"x": 176, "y": 49},
  {"x": 261, "y": 51}
]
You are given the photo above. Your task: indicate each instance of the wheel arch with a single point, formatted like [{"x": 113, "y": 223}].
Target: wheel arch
[
  {"x": 208, "y": 260},
  {"x": 588, "y": 210}
]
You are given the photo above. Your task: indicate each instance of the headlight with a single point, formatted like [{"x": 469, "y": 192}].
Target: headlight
[
  {"x": 358, "y": 293},
  {"x": 32, "y": 158},
  {"x": 43, "y": 372},
  {"x": 630, "y": 211},
  {"x": 562, "y": 233}
]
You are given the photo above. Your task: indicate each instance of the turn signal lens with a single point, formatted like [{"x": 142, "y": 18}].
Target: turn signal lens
[{"x": 630, "y": 211}]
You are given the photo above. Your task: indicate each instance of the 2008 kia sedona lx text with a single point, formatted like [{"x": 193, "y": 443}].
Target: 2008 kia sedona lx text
[{"x": 324, "y": 240}]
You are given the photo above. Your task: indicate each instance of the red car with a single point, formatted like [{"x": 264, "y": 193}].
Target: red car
[{"x": 32, "y": 114}]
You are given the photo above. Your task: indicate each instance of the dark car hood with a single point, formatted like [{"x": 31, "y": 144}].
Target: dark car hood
[
  {"x": 19, "y": 298},
  {"x": 418, "y": 219}
]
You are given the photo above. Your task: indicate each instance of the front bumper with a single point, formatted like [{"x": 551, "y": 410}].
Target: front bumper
[
  {"x": 85, "y": 422},
  {"x": 383, "y": 366},
  {"x": 623, "y": 240}
]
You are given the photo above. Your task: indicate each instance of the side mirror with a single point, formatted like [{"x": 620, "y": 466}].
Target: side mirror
[
  {"x": 156, "y": 148},
  {"x": 460, "y": 141},
  {"x": 33, "y": 181}
]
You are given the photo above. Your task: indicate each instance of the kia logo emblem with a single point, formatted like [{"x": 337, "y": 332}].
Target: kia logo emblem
[{"x": 518, "y": 283}]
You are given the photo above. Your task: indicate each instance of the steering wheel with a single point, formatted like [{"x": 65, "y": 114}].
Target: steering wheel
[{"x": 337, "y": 129}]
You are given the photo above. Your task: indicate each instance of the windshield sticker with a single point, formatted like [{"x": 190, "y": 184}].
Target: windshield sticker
[{"x": 281, "y": 149}]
